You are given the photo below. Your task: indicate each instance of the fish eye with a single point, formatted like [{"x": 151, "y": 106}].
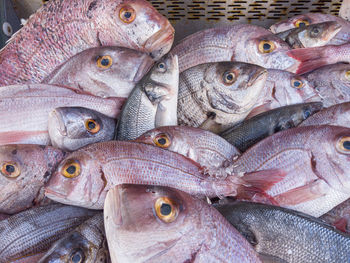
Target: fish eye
[
  {"x": 92, "y": 126},
  {"x": 301, "y": 23},
  {"x": 315, "y": 31},
  {"x": 162, "y": 140},
  {"x": 104, "y": 62},
  {"x": 343, "y": 144},
  {"x": 71, "y": 169},
  {"x": 266, "y": 46},
  {"x": 77, "y": 256},
  {"x": 347, "y": 74},
  {"x": 10, "y": 169},
  {"x": 297, "y": 83},
  {"x": 229, "y": 77},
  {"x": 307, "y": 114},
  {"x": 127, "y": 14},
  {"x": 166, "y": 209},
  {"x": 161, "y": 66}
]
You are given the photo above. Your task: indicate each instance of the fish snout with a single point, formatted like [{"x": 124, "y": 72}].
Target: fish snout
[
  {"x": 260, "y": 75},
  {"x": 160, "y": 42}
]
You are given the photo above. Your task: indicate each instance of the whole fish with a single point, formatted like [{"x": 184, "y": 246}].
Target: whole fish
[
  {"x": 215, "y": 96},
  {"x": 103, "y": 71},
  {"x": 206, "y": 148},
  {"x": 61, "y": 29},
  {"x": 85, "y": 176},
  {"x": 24, "y": 171},
  {"x": 284, "y": 235},
  {"x": 154, "y": 224},
  {"x": 24, "y": 110},
  {"x": 338, "y": 115},
  {"x": 71, "y": 128},
  {"x": 315, "y": 161},
  {"x": 153, "y": 102},
  {"x": 339, "y": 217},
  {"x": 253, "y": 130},
  {"x": 343, "y": 36},
  {"x": 33, "y": 231},
  {"x": 87, "y": 243},
  {"x": 241, "y": 42}
]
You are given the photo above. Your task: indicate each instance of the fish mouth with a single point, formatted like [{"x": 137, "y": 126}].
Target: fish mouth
[
  {"x": 258, "y": 76},
  {"x": 56, "y": 118},
  {"x": 54, "y": 195},
  {"x": 144, "y": 67},
  {"x": 334, "y": 29}
]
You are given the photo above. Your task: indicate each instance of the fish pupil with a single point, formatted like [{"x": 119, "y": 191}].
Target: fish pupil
[
  {"x": 307, "y": 113},
  {"x": 105, "y": 62},
  {"x": 165, "y": 209},
  {"x": 302, "y": 24},
  {"x": 229, "y": 77},
  {"x": 127, "y": 15},
  {"x": 266, "y": 46},
  {"x": 71, "y": 169},
  {"x": 161, "y": 66},
  {"x": 76, "y": 258},
  {"x": 346, "y": 145},
  {"x": 296, "y": 84},
  {"x": 91, "y": 125},
  {"x": 161, "y": 141},
  {"x": 10, "y": 168}
]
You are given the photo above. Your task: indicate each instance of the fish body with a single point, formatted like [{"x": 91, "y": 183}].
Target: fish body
[
  {"x": 28, "y": 107},
  {"x": 284, "y": 235},
  {"x": 24, "y": 171},
  {"x": 160, "y": 224},
  {"x": 253, "y": 130},
  {"x": 242, "y": 42},
  {"x": 153, "y": 102},
  {"x": 339, "y": 217},
  {"x": 102, "y": 71},
  {"x": 33, "y": 231},
  {"x": 215, "y": 96},
  {"x": 71, "y": 128},
  {"x": 61, "y": 29}
]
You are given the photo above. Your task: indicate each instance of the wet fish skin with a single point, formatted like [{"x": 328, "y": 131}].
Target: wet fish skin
[
  {"x": 84, "y": 71},
  {"x": 206, "y": 97},
  {"x": 61, "y": 29},
  {"x": 234, "y": 43},
  {"x": 87, "y": 242},
  {"x": 286, "y": 235},
  {"x": 69, "y": 129},
  {"x": 34, "y": 230},
  {"x": 255, "y": 129},
  {"x": 153, "y": 102},
  {"x": 135, "y": 232},
  {"x": 339, "y": 217},
  {"x": 32, "y": 167}
]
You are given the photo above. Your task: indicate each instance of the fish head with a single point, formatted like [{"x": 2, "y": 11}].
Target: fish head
[
  {"x": 295, "y": 22},
  {"x": 78, "y": 180},
  {"x": 144, "y": 222},
  {"x": 71, "y": 128},
  {"x": 134, "y": 23}
]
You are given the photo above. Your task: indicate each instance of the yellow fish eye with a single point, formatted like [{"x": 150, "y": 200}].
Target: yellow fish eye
[
  {"x": 229, "y": 77},
  {"x": 347, "y": 74},
  {"x": 92, "y": 126},
  {"x": 166, "y": 209},
  {"x": 104, "y": 62},
  {"x": 266, "y": 46},
  {"x": 10, "y": 169},
  {"x": 162, "y": 140},
  {"x": 127, "y": 14},
  {"x": 297, "y": 83},
  {"x": 71, "y": 169},
  {"x": 343, "y": 144},
  {"x": 301, "y": 23}
]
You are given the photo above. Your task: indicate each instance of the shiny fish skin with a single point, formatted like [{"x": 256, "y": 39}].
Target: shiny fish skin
[
  {"x": 234, "y": 43},
  {"x": 35, "y": 164},
  {"x": 33, "y": 231},
  {"x": 87, "y": 242},
  {"x": 339, "y": 217},
  {"x": 28, "y": 108},
  {"x": 136, "y": 233},
  {"x": 153, "y": 102},
  {"x": 68, "y": 127},
  {"x": 287, "y": 235},
  {"x": 61, "y": 29},
  {"x": 83, "y": 72},
  {"x": 253, "y": 130},
  {"x": 207, "y": 101}
]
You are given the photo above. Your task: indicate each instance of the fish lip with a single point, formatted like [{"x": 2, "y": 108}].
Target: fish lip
[
  {"x": 259, "y": 74},
  {"x": 159, "y": 39},
  {"x": 142, "y": 70},
  {"x": 53, "y": 193},
  {"x": 58, "y": 119}
]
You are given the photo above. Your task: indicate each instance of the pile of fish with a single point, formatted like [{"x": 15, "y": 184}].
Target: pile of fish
[{"x": 116, "y": 146}]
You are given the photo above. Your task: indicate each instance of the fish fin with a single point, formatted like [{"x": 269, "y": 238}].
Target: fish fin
[
  {"x": 265, "y": 258},
  {"x": 18, "y": 137},
  {"x": 341, "y": 224}
]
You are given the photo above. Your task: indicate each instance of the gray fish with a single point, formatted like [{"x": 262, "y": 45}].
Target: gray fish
[
  {"x": 339, "y": 217},
  {"x": 283, "y": 235},
  {"x": 253, "y": 130},
  {"x": 71, "y": 128},
  {"x": 153, "y": 102}
]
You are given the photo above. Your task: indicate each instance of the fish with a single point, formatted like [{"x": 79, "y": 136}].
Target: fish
[
  {"x": 24, "y": 171},
  {"x": 87, "y": 243},
  {"x": 314, "y": 35},
  {"x": 241, "y": 42},
  {"x": 299, "y": 21},
  {"x": 25, "y": 108},
  {"x": 71, "y": 128},
  {"x": 215, "y": 96},
  {"x": 61, "y": 29},
  {"x": 314, "y": 160},
  {"x": 102, "y": 71},
  {"x": 337, "y": 115},
  {"x": 205, "y": 148},
  {"x": 153, "y": 224},
  {"x": 33, "y": 231},
  {"x": 339, "y": 217},
  {"x": 153, "y": 102},
  {"x": 284, "y": 235},
  {"x": 84, "y": 176},
  {"x": 332, "y": 83},
  {"x": 255, "y": 129}
]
